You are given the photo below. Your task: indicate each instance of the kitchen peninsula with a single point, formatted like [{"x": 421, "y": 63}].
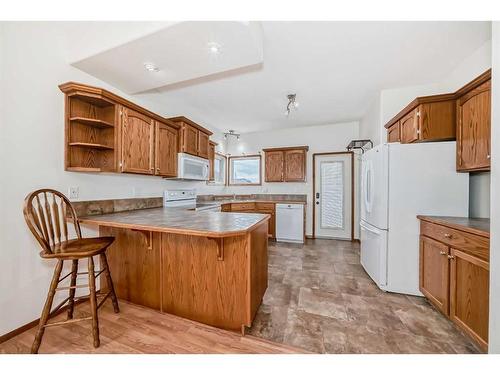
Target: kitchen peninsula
[{"x": 210, "y": 267}]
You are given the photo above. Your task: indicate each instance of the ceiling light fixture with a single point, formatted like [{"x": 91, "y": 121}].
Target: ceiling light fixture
[
  {"x": 151, "y": 67},
  {"x": 292, "y": 103},
  {"x": 214, "y": 48},
  {"x": 232, "y": 133}
]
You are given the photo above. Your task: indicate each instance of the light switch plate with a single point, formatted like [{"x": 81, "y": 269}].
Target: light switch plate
[{"x": 74, "y": 192}]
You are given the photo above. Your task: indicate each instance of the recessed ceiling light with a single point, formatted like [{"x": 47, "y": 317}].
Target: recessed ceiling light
[
  {"x": 214, "y": 48},
  {"x": 151, "y": 67}
]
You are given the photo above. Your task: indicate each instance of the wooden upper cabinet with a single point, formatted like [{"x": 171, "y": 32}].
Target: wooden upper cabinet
[
  {"x": 203, "y": 145},
  {"x": 474, "y": 126},
  {"x": 193, "y": 138},
  {"x": 434, "y": 273},
  {"x": 211, "y": 160},
  {"x": 295, "y": 165},
  {"x": 428, "y": 118},
  {"x": 393, "y": 133},
  {"x": 107, "y": 133},
  {"x": 286, "y": 164},
  {"x": 274, "y": 166},
  {"x": 189, "y": 139},
  {"x": 137, "y": 143},
  {"x": 166, "y": 142}
]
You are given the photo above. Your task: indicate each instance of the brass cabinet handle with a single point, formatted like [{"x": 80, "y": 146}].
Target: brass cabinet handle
[
  {"x": 443, "y": 253},
  {"x": 451, "y": 257},
  {"x": 447, "y": 235}
]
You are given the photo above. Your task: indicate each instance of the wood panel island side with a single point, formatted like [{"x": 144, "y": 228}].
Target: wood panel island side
[{"x": 210, "y": 267}]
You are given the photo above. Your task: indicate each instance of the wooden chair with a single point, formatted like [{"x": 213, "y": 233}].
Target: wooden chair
[{"x": 47, "y": 212}]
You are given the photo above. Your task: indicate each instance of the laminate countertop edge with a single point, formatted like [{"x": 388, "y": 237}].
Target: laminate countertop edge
[
  {"x": 94, "y": 220},
  {"x": 458, "y": 223}
]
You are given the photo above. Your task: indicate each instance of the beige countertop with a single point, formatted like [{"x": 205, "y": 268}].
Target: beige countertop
[
  {"x": 472, "y": 225},
  {"x": 196, "y": 223}
]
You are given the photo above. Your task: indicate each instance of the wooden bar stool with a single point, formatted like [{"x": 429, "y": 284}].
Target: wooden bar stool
[{"x": 46, "y": 212}]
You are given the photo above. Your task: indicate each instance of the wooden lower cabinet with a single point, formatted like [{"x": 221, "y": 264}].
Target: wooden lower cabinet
[
  {"x": 134, "y": 261},
  {"x": 252, "y": 207},
  {"x": 470, "y": 295},
  {"x": 454, "y": 276},
  {"x": 434, "y": 273},
  {"x": 216, "y": 281}
]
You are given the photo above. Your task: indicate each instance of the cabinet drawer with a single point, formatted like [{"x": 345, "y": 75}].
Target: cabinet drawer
[
  {"x": 468, "y": 242},
  {"x": 264, "y": 206},
  {"x": 242, "y": 206}
]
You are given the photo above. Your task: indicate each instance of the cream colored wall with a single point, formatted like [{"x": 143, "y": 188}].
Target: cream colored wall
[
  {"x": 325, "y": 138},
  {"x": 33, "y": 62}
]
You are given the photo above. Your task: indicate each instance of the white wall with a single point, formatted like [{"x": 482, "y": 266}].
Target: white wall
[
  {"x": 494, "y": 334},
  {"x": 369, "y": 125},
  {"x": 323, "y": 138},
  {"x": 34, "y": 61}
]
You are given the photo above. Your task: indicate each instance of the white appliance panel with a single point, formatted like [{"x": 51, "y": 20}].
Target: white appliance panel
[
  {"x": 422, "y": 181},
  {"x": 290, "y": 222},
  {"x": 374, "y": 186},
  {"x": 374, "y": 253}
]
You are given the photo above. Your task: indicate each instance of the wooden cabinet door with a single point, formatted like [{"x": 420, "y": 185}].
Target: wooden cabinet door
[
  {"x": 474, "y": 129},
  {"x": 137, "y": 134},
  {"x": 434, "y": 273},
  {"x": 409, "y": 127},
  {"x": 469, "y": 291},
  {"x": 393, "y": 133},
  {"x": 203, "y": 145},
  {"x": 274, "y": 166},
  {"x": 437, "y": 121},
  {"x": 165, "y": 150},
  {"x": 211, "y": 161},
  {"x": 295, "y": 166},
  {"x": 134, "y": 262},
  {"x": 189, "y": 139}
]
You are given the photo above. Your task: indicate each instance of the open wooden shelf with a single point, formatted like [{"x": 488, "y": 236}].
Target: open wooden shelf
[
  {"x": 83, "y": 169},
  {"x": 91, "y": 145},
  {"x": 92, "y": 122}
]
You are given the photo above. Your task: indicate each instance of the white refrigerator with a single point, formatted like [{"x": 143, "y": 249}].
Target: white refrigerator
[{"x": 399, "y": 182}]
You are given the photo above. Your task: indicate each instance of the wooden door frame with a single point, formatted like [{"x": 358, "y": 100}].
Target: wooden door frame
[{"x": 314, "y": 188}]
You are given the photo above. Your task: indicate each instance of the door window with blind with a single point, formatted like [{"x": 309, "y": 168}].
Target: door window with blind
[
  {"x": 245, "y": 170},
  {"x": 333, "y": 195},
  {"x": 332, "y": 191}
]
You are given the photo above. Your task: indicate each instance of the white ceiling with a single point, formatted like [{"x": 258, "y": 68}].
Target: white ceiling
[
  {"x": 180, "y": 52},
  {"x": 335, "y": 68}
]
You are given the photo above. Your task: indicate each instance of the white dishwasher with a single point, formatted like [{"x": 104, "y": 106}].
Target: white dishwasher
[{"x": 290, "y": 222}]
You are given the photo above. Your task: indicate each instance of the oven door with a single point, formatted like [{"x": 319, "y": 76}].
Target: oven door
[{"x": 192, "y": 167}]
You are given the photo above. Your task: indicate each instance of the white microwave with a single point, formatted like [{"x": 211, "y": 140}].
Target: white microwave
[{"x": 191, "y": 167}]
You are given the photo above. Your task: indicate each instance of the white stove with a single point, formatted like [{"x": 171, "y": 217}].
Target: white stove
[{"x": 186, "y": 199}]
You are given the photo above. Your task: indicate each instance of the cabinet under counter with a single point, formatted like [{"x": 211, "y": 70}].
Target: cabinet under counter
[
  {"x": 454, "y": 271},
  {"x": 210, "y": 267}
]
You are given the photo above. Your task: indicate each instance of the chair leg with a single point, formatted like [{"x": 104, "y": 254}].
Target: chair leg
[
  {"x": 109, "y": 281},
  {"x": 93, "y": 303},
  {"x": 74, "y": 274},
  {"x": 46, "y": 308}
]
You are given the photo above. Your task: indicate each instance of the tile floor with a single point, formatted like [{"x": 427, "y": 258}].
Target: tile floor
[{"x": 319, "y": 298}]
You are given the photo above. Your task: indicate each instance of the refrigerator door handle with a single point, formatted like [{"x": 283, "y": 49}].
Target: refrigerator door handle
[
  {"x": 368, "y": 186},
  {"x": 369, "y": 228}
]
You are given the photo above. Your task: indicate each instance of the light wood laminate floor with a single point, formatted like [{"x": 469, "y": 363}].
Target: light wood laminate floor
[{"x": 138, "y": 330}]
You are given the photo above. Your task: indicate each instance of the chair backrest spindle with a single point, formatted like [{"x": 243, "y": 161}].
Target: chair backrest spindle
[{"x": 46, "y": 212}]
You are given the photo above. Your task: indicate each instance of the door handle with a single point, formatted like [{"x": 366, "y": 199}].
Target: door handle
[
  {"x": 317, "y": 195},
  {"x": 317, "y": 202}
]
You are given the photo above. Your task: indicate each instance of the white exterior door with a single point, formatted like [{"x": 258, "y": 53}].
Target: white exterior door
[{"x": 333, "y": 196}]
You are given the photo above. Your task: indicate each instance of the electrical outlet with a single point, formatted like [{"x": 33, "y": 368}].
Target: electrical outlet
[{"x": 74, "y": 192}]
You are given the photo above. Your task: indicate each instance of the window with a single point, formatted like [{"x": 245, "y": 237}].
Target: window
[
  {"x": 220, "y": 169},
  {"x": 244, "y": 170}
]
